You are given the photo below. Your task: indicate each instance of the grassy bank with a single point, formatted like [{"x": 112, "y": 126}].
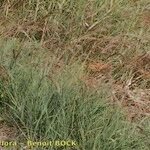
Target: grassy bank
[{"x": 75, "y": 70}]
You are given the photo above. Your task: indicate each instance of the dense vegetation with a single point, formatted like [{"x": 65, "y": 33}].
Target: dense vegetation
[{"x": 76, "y": 69}]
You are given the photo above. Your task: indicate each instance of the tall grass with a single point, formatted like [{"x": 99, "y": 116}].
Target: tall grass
[
  {"x": 52, "y": 106},
  {"x": 45, "y": 48},
  {"x": 114, "y": 31}
]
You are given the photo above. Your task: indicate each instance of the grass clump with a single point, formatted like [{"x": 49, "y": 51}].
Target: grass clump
[
  {"x": 64, "y": 109},
  {"x": 48, "y": 106}
]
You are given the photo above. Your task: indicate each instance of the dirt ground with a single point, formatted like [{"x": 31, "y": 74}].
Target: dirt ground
[{"x": 7, "y": 133}]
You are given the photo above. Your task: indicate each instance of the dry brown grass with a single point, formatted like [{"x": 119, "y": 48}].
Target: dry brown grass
[
  {"x": 7, "y": 132},
  {"x": 110, "y": 38}
]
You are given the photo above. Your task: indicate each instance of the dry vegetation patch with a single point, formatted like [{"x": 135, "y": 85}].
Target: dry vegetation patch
[
  {"x": 110, "y": 38},
  {"x": 7, "y": 132}
]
